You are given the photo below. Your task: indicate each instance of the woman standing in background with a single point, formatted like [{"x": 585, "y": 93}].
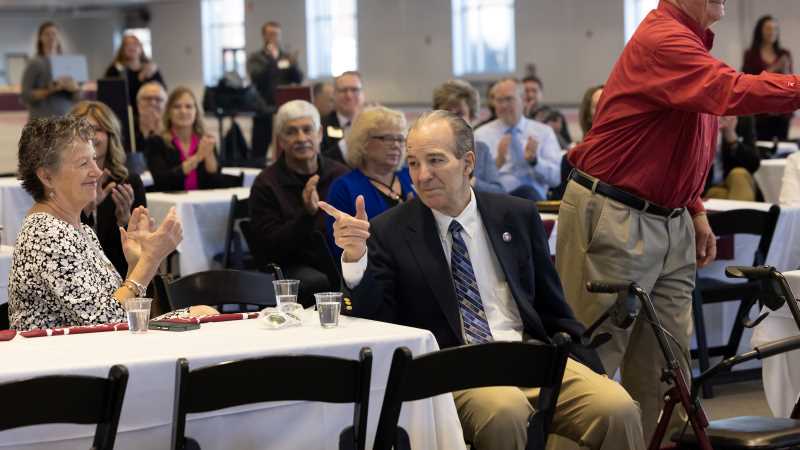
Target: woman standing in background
[
  {"x": 43, "y": 95},
  {"x": 766, "y": 54},
  {"x": 132, "y": 64}
]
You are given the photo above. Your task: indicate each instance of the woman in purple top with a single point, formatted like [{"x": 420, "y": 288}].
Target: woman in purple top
[{"x": 183, "y": 158}]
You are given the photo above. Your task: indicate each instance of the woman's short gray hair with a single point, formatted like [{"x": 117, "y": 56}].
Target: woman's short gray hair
[
  {"x": 463, "y": 137},
  {"x": 366, "y": 122},
  {"x": 41, "y": 145}
]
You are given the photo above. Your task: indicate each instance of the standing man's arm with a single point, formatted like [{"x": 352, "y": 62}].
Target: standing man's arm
[{"x": 691, "y": 79}]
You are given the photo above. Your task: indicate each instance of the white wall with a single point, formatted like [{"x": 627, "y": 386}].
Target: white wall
[
  {"x": 176, "y": 33},
  {"x": 405, "y": 44}
]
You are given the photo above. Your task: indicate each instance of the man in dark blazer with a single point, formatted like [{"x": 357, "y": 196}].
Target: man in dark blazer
[
  {"x": 348, "y": 100},
  {"x": 472, "y": 268}
]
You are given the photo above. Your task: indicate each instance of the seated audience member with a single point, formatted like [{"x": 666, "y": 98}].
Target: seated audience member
[
  {"x": 284, "y": 202},
  {"x": 323, "y": 97},
  {"x": 489, "y": 106},
  {"x": 526, "y": 152},
  {"x": 348, "y": 100},
  {"x": 376, "y": 148},
  {"x": 444, "y": 260},
  {"x": 534, "y": 109},
  {"x": 737, "y": 159},
  {"x": 133, "y": 65},
  {"x": 44, "y": 96},
  {"x": 118, "y": 191},
  {"x": 463, "y": 100},
  {"x": 586, "y": 112},
  {"x": 59, "y": 274},
  {"x": 183, "y": 157},
  {"x": 555, "y": 120},
  {"x": 150, "y": 101}
]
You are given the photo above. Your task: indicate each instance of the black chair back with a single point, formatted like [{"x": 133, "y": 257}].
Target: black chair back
[
  {"x": 523, "y": 364},
  {"x": 219, "y": 287},
  {"x": 747, "y": 221},
  {"x": 233, "y": 255},
  {"x": 231, "y": 384},
  {"x": 230, "y": 181},
  {"x": 68, "y": 399},
  {"x": 708, "y": 291}
]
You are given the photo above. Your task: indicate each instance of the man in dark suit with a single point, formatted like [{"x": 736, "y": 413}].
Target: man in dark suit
[
  {"x": 473, "y": 268},
  {"x": 348, "y": 99}
]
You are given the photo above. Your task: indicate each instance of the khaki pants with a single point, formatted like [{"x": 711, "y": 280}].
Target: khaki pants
[
  {"x": 592, "y": 410},
  {"x": 739, "y": 185},
  {"x": 601, "y": 239}
]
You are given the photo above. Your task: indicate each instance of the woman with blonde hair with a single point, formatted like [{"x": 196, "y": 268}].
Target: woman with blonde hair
[
  {"x": 376, "y": 148},
  {"x": 183, "y": 157},
  {"x": 118, "y": 191},
  {"x": 131, "y": 63}
]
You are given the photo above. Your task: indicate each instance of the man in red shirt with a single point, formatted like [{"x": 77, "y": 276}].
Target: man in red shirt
[{"x": 632, "y": 210}]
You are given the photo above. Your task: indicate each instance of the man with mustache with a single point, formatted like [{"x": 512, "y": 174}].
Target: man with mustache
[
  {"x": 632, "y": 209},
  {"x": 284, "y": 202}
]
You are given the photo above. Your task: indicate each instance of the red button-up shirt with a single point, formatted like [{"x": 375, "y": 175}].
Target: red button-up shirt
[{"x": 655, "y": 130}]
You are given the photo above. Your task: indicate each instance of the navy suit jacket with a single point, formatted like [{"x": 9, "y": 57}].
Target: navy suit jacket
[{"x": 408, "y": 280}]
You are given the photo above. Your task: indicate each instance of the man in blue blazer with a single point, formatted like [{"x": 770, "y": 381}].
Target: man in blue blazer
[{"x": 473, "y": 268}]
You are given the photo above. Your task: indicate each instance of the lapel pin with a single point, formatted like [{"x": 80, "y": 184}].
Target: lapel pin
[{"x": 506, "y": 237}]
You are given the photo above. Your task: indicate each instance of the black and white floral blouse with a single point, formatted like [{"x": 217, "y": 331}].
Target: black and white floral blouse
[{"x": 60, "y": 277}]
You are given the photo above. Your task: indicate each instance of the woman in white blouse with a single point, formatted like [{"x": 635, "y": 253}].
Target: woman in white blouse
[{"x": 59, "y": 274}]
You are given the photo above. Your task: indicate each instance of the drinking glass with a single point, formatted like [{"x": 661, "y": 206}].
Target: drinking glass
[
  {"x": 286, "y": 291},
  {"x": 329, "y": 305},
  {"x": 138, "y": 314}
]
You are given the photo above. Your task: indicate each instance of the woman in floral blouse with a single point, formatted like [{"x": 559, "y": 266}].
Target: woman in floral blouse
[{"x": 59, "y": 274}]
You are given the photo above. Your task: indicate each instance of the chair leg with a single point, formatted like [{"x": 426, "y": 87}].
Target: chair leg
[{"x": 700, "y": 335}]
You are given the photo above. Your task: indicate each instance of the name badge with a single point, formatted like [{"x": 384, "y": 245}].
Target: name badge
[
  {"x": 283, "y": 63},
  {"x": 335, "y": 133}
]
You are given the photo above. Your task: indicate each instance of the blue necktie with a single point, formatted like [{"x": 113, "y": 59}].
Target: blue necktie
[
  {"x": 473, "y": 317},
  {"x": 515, "y": 150}
]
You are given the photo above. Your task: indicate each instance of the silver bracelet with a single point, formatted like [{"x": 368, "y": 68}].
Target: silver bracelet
[{"x": 137, "y": 288}]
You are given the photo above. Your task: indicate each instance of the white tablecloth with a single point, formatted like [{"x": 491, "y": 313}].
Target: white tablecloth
[
  {"x": 781, "y": 373},
  {"x": 150, "y": 358},
  {"x": 769, "y": 177},
  {"x": 5, "y": 267},
  {"x": 250, "y": 174},
  {"x": 14, "y": 204},
  {"x": 204, "y": 216}
]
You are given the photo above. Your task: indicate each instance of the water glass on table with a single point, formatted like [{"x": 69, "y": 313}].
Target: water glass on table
[
  {"x": 138, "y": 314},
  {"x": 286, "y": 295},
  {"x": 329, "y": 305}
]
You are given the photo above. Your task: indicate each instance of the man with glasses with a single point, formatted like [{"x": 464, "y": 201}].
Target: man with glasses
[
  {"x": 348, "y": 98},
  {"x": 526, "y": 152},
  {"x": 150, "y": 102}
]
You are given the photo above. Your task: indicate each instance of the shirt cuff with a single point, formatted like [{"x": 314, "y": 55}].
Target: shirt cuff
[
  {"x": 696, "y": 207},
  {"x": 353, "y": 272}
]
